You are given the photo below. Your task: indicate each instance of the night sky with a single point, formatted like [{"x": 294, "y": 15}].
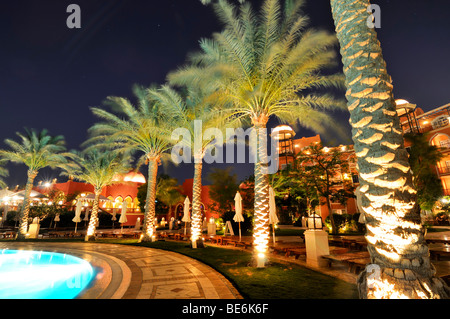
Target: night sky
[{"x": 50, "y": 75}]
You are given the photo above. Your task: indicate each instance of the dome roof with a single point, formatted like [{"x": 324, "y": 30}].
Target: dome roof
[
  {"x": 132, "y": 176},
  {"x": 283, "y": 132}
]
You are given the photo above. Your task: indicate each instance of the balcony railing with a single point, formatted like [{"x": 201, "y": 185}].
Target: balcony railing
[{"x": 444, "y": 170}]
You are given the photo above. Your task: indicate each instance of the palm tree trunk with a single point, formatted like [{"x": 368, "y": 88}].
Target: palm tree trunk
[
  {"x": 196, "y": 218},
  {"x": 400, "y": 258},
  {"x": 93, "y": 219},
  {"x": 149, "y": 227},
  {"x": 261, "y": 229},
  {"x": 23, "y": 215},
  {"x": 334, "y": 230}
]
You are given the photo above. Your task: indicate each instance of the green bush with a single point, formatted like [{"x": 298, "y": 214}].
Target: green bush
[{"x": 345, "y": 223}]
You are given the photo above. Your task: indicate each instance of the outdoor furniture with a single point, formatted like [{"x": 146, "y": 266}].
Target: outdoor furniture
[
  {"x": 437, "y": 252},
  {"x": 244, "y": 244},
  {"x": 224, "y": 240},
  {"x": 8, "y": 235},
  {"x": 355, "y": 265},
  {"x": 296, "y": 252},
  {"x": 131, "y": 235},
  {"x": 236, "y": 242},
  {"x": 213, "y": 239},
  {"x": 170, "y": 235},
  {"x": 360, "y": 245},
  {"x": 282, "y": 248},
  {"x": 162, "y": 235},
  {"x": 438, "y": 241},
  {"x": 336, "y": 241},
  {"x": 338, "y": 256}
]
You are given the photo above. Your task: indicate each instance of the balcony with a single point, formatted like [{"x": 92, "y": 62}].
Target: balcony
[{"x": 444, "y": 170}]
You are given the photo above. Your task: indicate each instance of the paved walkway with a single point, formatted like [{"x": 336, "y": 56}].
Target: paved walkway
[{"x": 130, "y": 272}]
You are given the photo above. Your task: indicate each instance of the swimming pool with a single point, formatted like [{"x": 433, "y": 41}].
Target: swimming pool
[{"x": 26, "y": 274}]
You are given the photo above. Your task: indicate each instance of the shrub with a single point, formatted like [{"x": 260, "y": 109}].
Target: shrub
[{"x": 345, "y": 223}]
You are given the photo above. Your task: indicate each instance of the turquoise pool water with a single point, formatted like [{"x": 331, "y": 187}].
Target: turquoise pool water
[{"x": 28, "y": 274}]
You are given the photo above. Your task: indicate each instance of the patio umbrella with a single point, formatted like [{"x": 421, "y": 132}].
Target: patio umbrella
[
  {"x": 238, "y": 218},
  {"x": 86, "y": 216},
  {"x": 57, "y": 219},
  {"x": 77, "y": 217},
  {"x": 123, "y": 216},
  {"x": 273, "y": 218},
  {"x": 362, "y": 217},
  {"x": 5, "y": 193},
  {"x": 33, "y": 194},
  {"x": 5, "y": 213},
  {"x": 186, "y": 217},
  {"x": 114, "y": 218}
]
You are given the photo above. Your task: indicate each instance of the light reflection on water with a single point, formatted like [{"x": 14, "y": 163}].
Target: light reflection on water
[{"x": 28, "y": 274}]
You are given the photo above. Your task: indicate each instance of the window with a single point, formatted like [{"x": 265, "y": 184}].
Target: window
[
  {"x": 339, "y": 211},
  {"x": 439, "y": 122},
  {"x": 445, "y": 143}
]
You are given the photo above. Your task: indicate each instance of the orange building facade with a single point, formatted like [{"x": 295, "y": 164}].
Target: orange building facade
[
  {"x": 290, "y": 148},
  {"x": 436, "y": 125},
  {"x": 112, "y": 197},
  {"x": 126, "y": 190}
]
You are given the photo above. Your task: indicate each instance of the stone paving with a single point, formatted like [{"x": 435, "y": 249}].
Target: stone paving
[{"x": 129, "y": 272}]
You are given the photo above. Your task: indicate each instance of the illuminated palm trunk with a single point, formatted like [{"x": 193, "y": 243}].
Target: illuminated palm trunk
[
  {"x": 400, "y": 258},
  {"x": 149, "y": 228},
  {"x": 261, "y": 230},
  {"x": 93, "y": 219},
  {"x": 23, "y": 215},
  {"x": 196, "y": 218}
]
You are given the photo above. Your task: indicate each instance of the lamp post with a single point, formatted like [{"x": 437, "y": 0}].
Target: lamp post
[
  {"x": 316, "y": 241},
  {"x": 315, "y": 222}
]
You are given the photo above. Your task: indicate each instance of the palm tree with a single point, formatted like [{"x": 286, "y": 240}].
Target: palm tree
[
  {"x": 395, "y": 235},
  {"x": 137, "y": 128},
  {"x": 266, "y": 65},
  {"x": 192, "y": 112},
  {"x": 99, "y": 168},
  {"x": 36, "y": 151},
  {"x": 423, "y": 159},
  {"x": 3, "y": 173},
  {"x": 169, "y": 193}
]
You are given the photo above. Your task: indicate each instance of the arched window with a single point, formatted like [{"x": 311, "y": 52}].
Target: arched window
[
  {"x": 440, "y": 140},
  {"x": 118, "y": 202},
  {"x": 136, "y": 203},
  {"x": 129, "y": 202}
]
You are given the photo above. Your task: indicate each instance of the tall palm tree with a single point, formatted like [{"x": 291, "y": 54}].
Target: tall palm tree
[
  {"x": 192, "y": 112},
  {"x": 136, "y": 128},
  {"x": 3, "y": 173},
  {"x": 395, "y": 235},
  {"x": 36, "y": 150},
  {"x": 99, "y": 168},
  {"x": 266, "y": 65}
]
